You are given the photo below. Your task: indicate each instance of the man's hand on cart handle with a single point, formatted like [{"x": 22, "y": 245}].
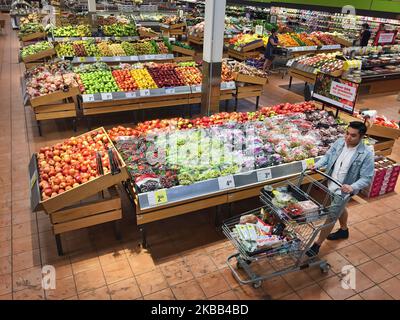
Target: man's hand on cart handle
[{"x": 347, "y": 188}]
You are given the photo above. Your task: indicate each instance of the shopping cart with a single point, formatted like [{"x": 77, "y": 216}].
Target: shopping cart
[{"x": 253, "y": 264}]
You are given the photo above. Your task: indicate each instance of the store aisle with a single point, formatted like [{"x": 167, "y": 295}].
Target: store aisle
[{"x": 187, "y": 254}]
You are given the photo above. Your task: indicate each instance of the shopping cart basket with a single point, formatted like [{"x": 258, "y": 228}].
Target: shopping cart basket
[{"x": 294, "y": 231}]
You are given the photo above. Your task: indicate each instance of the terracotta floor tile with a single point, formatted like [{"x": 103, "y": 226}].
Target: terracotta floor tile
[
  {"x": 189, "y": 290},
  {"x": 125, "y": 290},
  {"x": 47, "y": 239},
  {"x": 313, "y": 292},
  {"x": 24, "y": 244},
  {"x": 390, "y": 263},
  {"x": 112, "y": 255},
  {"x": 392, "y": 287},
  {"x": 354, "y": 255},
  {"x": 355, "y": 297},
  {"x": 395, "y": 233},
  {"x": 5, "y": 233},
  {"x": 374, "y": 271},
  {"x": 392, "y": 201},
  {"x": 151, "y": 282},
  {"x": 333, "y": 288},
  {"x": 141, "y": 262},
  {"x": 387, "y": 242},
  {"x": 276, "y": 287},
  {"x": 375, "y": 293},
  {"x": 5, "y": 265},
  {"x": 177, "y": 272},
  {"x": 85, "y": 261},
  {"x": 49, "y": 255},
  {"x": 363, "y": 282},
  {"x": 377, "y": 208},
  {"x": 291, "y": 296},
  {"x": 368, "y": 229},
  {"x": 200, "y": 264},
  {"x": 229, "y": 295},
  {"x": 22, "y": 217},
  {"x": 24, "y": 229},
  {"x": 5, "y": 219},
  {"x": 215, "y": 246},
  {"x": 26, "y": 260},
  {"x": 336, "y": 261},
  {"x": 213, "y": 284},
  {"x": 298, "y": 280},
  {"x": 247, "y": 292},
  {"x": 5, "y": 284},
  {"x": 385, "y": 222},
  {"x": 63, "y": 269},
  {"x": 229, "y": 277},
  {"x": 78, "y": 244},
  {"x": 65, "y": 288},
  {"x": 391, "y": 220},
  {"x": 117, "y": 271},
  {"x": 371, "y": 248},
  {"x": 89, "y": 280},
  {"x": 5, "y": 248},
  {"x": 29, "y": 294},
  {"x": 316, "y": 274},
  {"x": 165, "y": 294},
  {"x": 28, "y": 278},
  {"x": 97, "y": 294},
  {"x": 219, "y": 257},
  {"x": 7, "y": 296},
  {"x": 75, "y": 297}
]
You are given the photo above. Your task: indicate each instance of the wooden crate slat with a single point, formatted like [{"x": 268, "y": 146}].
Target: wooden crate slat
[
  {"x": 187, "y": 52},
  {"x": 54, "y": 97},
  {"x": 32, "y": 36},
  {"x": 249, "y": 88},
  {"x": 40, "y": 55},
  {"x": 384, "y": 145},
  {"x": 250, "y": 79},
  {"x": 249, "y": 94},
  {"x": 87, "y": 222},
  {"x": 55, "y": 107},
  {"x": 55, "y": 115}
]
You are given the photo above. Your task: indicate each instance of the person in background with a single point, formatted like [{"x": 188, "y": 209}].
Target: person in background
[
  {"x": 268, "y": 54},
  {"x": 381, "y": 27},
  {"x": 350, "y": 162},
  {"x": 365, "y": 35}
]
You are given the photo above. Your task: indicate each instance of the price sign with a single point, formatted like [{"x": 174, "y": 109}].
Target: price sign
[
  {"x": 259, "y": 30},
  {"x": 82, "y": 59},
  {"x": 133, "y": 58},
  {"x": 230, "y": 85},
  {"x": 226, "y": 182},
  {"x": 197, "y": 88},
  {"x": 308, "y": 163},
  {"x": 34, "y": 179},
  {"x": 85, "y": 38},
  {"x": 106, "y": 96},
  {"x": 130, "y": 94},
  {"x": 157, "y": 197},
  {"x": 264, "y": 174},
  {"x": 145, "y": 93},
  {"x": 88, "y": 98},
  {"x": 117, "y": 58},
  {"x": 169, "y": 90}
]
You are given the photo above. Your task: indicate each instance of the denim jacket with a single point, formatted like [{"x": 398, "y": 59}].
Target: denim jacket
[{"x": 362, "y": 166}]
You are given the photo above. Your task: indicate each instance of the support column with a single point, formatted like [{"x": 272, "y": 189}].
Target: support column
[
  {"x": 92, "y": 14},
  {"x": 212, "y": 55}
]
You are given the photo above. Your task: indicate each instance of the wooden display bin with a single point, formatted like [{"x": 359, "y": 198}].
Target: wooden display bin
[
  {"x": 57, "y": 105},
  {"x": 183, "y": 59},
  {"x": 249, "y": 78},
  {"x": 199, "y": 40},
  {"x": 384, "y": 146},
  {"x": 187, "y": 52},
  {"x": 240, "y": 55},
  {"x": 39, "y": 56},
  {"x": 224, "y": 95},
  {"x": 104, "y": 207},
  {"x": 76, "y": 194},
  {"x": 147, "y": 34},
  {"x": 301, "y": 75},
  {"x": 342, "y": 41},
  {"x": 33, "y": 36}
]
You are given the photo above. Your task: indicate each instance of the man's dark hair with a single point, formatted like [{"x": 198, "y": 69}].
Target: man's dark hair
[
  {"x": 273, "y": 30},
  {"x": 365, "y": 25},
  {"x": 360, "y": 126}
]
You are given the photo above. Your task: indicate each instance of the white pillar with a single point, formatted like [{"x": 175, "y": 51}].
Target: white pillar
[
  {"x": 92, "y": 5},
  {"x": 212, "y": 55}
]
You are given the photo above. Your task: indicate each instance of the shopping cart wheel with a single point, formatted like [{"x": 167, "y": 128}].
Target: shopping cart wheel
[
  {"x": 257, "y": 284},
  {"x": 325, "y": 267}
]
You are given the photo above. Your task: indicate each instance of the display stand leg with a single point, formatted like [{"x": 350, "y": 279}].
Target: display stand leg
[
  {"x": 236, "y": 104},
  {"x": 39, "y": 127},
  {"x": 290, "y": 82},
  {"x": 226, "y": 105},
  {"x": 74, "y": 124},
  {"x": 117, "y": 229},
  {"x": 257, "y": 102},
  {"x": 59, "y": 245},
  {"x": 88, "y": 123},
  {"x": 190, "y": 111},
  {"x": 144, "y": 239},
  {"x": 217, "y": 214}
]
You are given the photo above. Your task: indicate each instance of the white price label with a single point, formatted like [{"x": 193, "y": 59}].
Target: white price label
[
  {"x": 226, "y": 182},
  {"x": 88, "y": 98},
  {"x": 264, "y": 174},
  {"x": 145, "y": 93},
  {"x": 106, "y": 96},
  {"x": 230, "y": 85},
  {"x": 130, "y": 94},
  {"x": 169, "y": 90},
  {"x": 117, "y": 58},
  {"x": 197, "y": 89},
  {"x": 85, "y": 38},
  {"x": 133, "y": 58}
]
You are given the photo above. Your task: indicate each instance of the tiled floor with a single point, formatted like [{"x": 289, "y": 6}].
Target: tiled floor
[{"x": 187, "y": 255}]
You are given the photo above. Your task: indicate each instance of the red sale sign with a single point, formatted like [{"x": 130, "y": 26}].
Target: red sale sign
[
  {"x": 385, "y": 37},
  {"x": 343, "y": 91}
]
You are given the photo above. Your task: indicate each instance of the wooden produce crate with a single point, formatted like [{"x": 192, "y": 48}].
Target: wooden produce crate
[
  {"x": 195, "y": 39},
  {"x": 253, "y": 45},
  {"x": 242, "y": 55},
  {"x": 183, "y": 59},
  {"x": 249, "y": 78},
  {"x": 88, "y": 213},
  {"x": 177, "y": 26},
  {"x": 342, "y": 41},
  {"x": 56, "y": 111},
  {"x": 53, "y": 97},
  {"x": 302, "y": 75},
  {"x": 248, "y": 91},
  {"x": 76, "y": 194},
  {"x": 39, "y": 56},
  {"x": 147, "y": 34},
  {"x": 384, "y": 132},
  {"x": 33, "y": 36},
  {"x": 187, "y": 52}
]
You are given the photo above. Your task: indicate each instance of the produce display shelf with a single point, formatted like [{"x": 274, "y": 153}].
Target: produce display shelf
[
  {"x": 301, "y": 75},
  {"x": 39, "y": 56},
  {"x": 184, "y": 51},
  {"x": 73, "y": 195},
  {"x": 118, "y": 59},
  {"x": 33, "y": 36},
  {"x": 242, "y": 55},
  {"x": 161, "y": 204},
  {"x": 113, "y": 38}
]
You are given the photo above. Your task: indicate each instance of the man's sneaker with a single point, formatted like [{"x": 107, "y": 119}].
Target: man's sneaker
[
  {"x": 313, "y": 251},
  {"x": 340, "y": 234}
]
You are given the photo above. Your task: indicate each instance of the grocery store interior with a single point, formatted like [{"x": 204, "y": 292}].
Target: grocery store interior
[{"x": 120, "y": 171}]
